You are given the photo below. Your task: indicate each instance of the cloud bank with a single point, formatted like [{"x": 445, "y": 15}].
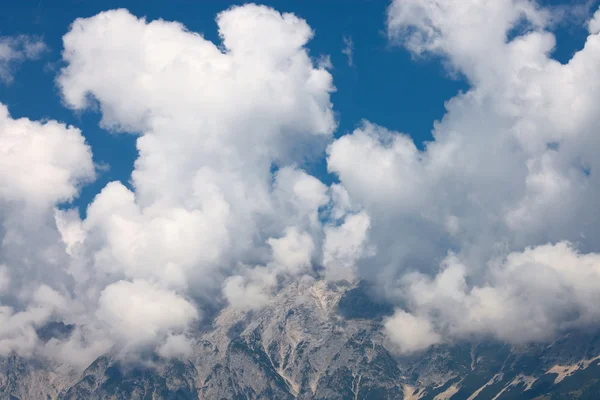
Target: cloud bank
[
  {"x": 490, "y": 231},
  {"x": 218, "y": 201},
  {"x": 504, "y": 200}
]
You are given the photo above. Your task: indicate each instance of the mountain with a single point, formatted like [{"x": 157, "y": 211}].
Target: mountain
[{"x": 320, "y": 341}]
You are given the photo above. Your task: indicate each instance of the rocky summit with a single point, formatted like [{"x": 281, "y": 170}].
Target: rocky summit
[{"x": 319, "y": 341}]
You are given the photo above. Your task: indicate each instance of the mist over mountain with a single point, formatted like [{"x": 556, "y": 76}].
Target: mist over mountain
[{"x": 311, "y": 342}]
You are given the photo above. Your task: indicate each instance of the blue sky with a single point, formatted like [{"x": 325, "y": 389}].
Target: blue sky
[{"x": 384, "y": 85}]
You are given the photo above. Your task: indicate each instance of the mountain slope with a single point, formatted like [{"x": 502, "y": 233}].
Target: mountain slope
[{"x": 319, "y": 341}]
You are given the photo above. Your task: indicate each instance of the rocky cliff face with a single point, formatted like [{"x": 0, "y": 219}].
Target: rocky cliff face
[{"x": 319, "y": 341}]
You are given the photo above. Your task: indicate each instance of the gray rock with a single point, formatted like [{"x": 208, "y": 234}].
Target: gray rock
[{"x": 320, "y": 341}]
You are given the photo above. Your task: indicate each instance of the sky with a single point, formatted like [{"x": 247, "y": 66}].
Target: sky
[
  {"x": 363, "y": 90},
  {"x": 176, "y": 157}
]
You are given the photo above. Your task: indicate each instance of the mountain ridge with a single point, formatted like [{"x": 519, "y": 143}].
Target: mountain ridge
[{"x": 314, "y": 341}]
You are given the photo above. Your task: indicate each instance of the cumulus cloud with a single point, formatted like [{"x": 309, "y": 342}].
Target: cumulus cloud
[
  {"x": 492, "y": 226},
  {"x": 293, "y": 251},
  {"x": 292, "y": 257},
  {"x": 138, "y": 312},
  {"x": 594, "y": 23},
  {"x": 16, "y": 49},
  {"x": 42, "y": 164},
  {"x": 251, "y": 290},
  {"x": 219, "y": 201},
  {"x": 410, "y": 333},
  {"x": 176, "y": 346},
  {"x": 528, "y": 296},
  {"x": 4, "y": 279},
  {"x": 344, "y": 246},
  {"x": 52, "y": 159},
  {"x": 510, "y": 175}
]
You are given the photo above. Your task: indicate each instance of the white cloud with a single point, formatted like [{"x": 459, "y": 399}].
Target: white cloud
[
  {"x": 528, "y": 296},
  {"x": 214, "y": 121},
  {"x": 345, "y": 245},
  {"x": 18, "y": 330},
  {"x": 176, "y": 346},
  {"x": 219, "y": 204},
  {"x": 16, "y": 49},
  {"x": 52, "y": 159},
  {"x": 42, "y": 164},
  {"x": 410, "y": 333},
  {"x": 252, "y": 290},
  {"x": 70, "y": 229},
  {"x": 4, "y": 279},
  {"x": 293, "y": 251},
  {"x": 18, "y": 327},
  {"x": 138, "y": 312},
  {"x": 594, "y": 23},
  {"x": 206, "y": 213},
  {"x": 224, "y": 116},
  {"x": 292, "y": 258},
  {"x": 511, "y": 167},
  {"x": 348, "y": 50},
  {"x": 470, "y": 33}
]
